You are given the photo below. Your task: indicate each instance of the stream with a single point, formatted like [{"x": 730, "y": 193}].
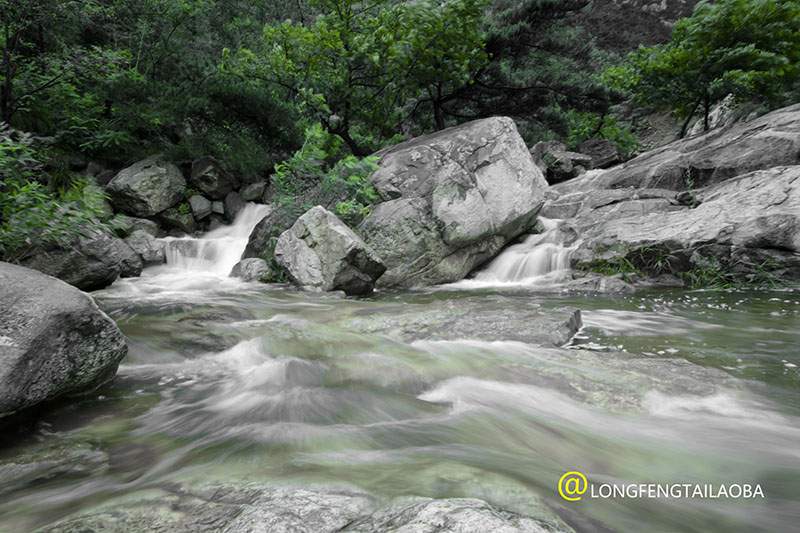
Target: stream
[{"x": 236, "y": 382}]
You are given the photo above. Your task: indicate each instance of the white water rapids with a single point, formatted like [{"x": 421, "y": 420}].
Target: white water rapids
[
  {"x": 219, "y": 250},
  {"x": 541, "y": 259}
]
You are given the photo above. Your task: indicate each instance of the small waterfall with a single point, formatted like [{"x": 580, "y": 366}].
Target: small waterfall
[
  {"x": 219, "y": 250},
  {"x": 540, "y": 258}
]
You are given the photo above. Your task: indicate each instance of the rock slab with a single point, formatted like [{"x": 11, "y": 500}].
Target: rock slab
[{"x": 147, "y": 188}]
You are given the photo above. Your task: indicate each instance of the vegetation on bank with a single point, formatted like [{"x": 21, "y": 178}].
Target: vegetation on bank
[{"x": 303, "y": 92}]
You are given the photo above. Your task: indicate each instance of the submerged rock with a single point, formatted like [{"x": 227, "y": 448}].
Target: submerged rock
[
  {"x": 253, "y": 507},
  {"x": 251, "y": 269},
  {"x": 147, "y": 188},
  {"x": 54, "y": 340},
  {"x": 92, "y": 263},
  {"x": 319, "y": 251},
  {"x": 451, "y": 201}
]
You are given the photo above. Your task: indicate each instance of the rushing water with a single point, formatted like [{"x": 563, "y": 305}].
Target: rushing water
[{"x": 232, "y": 381}]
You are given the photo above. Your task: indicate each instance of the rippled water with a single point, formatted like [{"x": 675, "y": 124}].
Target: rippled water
[{"x": 234, "y": 381}]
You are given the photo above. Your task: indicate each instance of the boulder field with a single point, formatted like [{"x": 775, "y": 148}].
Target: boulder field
[{"x": 54, "y": 341}]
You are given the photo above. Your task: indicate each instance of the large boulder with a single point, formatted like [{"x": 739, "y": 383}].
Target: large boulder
[
  {"x": 769, "y": 141},
  {"x": 319, "y": 251},
  {"x": 147, "y": 188},
  {"x": 54, "y": 341},
  {"x": 208, "y": 177},
  {"x": 92, "y": 262},
  {"x": 451, "y": 201}
]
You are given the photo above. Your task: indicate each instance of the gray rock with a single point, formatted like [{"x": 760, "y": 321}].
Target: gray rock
[
  {"x": 603, "y": 153},
  {"x": 54, "y": 341},
  {"x": 319, "y": 251},
  {"x": 233, "y": 204},
  {"x": 150, "y": 249},
  {"x": 257, "y": 508},
  {"x": 92, "y": 263},
  {"x": 124, "y": 225},
  {"x": 557, "y": 163},
  {"x": 452, "y": 200},
  {"x": 462, "y": 515},
  {"x": 747, "y": 225},
  {"x": 179, "y": 219},
  {"x": 251, "y": 269},
  {"x": 218, "y": 208},
  {"x": 147, "y": 188},
  {"x": 211, "y": 179},
  {"x": 721, "y": 154},
  {"x": 201, "y": 206},
  {"x": 254, "y": 191}
]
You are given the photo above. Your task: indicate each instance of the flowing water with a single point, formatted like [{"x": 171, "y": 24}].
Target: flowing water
[{"x": 239, "y": 382}]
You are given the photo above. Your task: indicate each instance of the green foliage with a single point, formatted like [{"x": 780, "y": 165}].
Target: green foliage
[
  {"x": 362, "y": 70},
  {"x": 748, "y": 48},
  {"x": 586, "y": 125},
  {"x": 33, "y": 216}
]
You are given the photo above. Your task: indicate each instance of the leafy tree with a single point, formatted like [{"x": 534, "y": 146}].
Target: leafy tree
[
  {"x": 748, "y": 48},
  {"x": 362, "y": 69}
]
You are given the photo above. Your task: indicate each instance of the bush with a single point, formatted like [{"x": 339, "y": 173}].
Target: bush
[
  {"x": 31, "y": 214},
  {"x": 584, "y": 126}
]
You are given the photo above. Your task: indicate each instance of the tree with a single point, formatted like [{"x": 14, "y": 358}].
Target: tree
[
  {"x": 540, "y": 65},
  {"x": 361, "y": 69},
  {"x": 747, "y": 48}
]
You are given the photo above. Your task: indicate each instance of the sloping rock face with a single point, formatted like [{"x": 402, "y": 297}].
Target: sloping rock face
[
  {"x": 769, "y": 141},
  {"x": 147, "y": 188},
  {"x": 319, "y": 251},
  {"x": 255, "y": 508},
  {"x": 92, "y": 263},
  {"x": 54, "y": 341},
  {"x": 747, "y": 225},
  {"x": 452, "y": 200}
]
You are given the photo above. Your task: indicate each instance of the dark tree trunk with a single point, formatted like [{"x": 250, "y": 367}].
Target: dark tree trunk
[{"x": 706, "y": 111}]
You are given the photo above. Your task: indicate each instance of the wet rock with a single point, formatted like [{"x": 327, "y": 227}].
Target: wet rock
[
  {"x": 91, "y": 263},
  {"x": 201, "y": 206},
  {"x": 208, "y": 176},
  {"x": 218, "y": 208},
  {"x": 254, "y": 191},
  {"x": 147, "y": 188},
  {"x": 53, "y": 463},
  {"x": 253, "y": 507},
  {"x": 179, "y": 218},
  {"x": 150, "y": 249},
  {"x": 233, "y": 204},
  {"x": 54, "y": 341},
  {"x": 603, "y": 153},
  {"x": 451, "y": 201},
  {"x": 319, "y": 251},
  {"x": 251, "y": 269},
  {"x": 557, "y": 163}
]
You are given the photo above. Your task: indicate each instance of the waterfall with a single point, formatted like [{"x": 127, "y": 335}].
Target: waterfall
[
  {"x": 219, "y": 250},
  {"x": 542, "y": 258}
]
